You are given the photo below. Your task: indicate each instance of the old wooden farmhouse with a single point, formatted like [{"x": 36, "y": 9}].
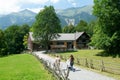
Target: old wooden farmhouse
[{"x": 66, "y": 41}]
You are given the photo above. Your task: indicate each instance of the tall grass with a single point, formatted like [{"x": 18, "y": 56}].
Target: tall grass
[{"x": 22, "y": 67}]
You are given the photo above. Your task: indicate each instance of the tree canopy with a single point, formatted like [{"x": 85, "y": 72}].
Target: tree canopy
[
  {"x": 11, "y": 39},
  {"x": 68, "y": 29},
  {"x": 107, "y": 31},
  {"x": 2, "y": 43},
  {"x": 47, "y": 26},
  {"x": 81, "y": 26}
]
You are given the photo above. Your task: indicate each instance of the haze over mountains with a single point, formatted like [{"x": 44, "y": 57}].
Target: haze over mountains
[{"x": 66, "y": 16}]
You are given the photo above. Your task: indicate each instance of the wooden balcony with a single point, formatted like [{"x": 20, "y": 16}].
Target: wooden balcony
[{"x": 58, "y": 46}]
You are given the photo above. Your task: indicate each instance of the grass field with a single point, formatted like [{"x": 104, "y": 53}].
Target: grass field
[
  {"x": 91, "y": 55},
  {"x": 22, "y": 67}
]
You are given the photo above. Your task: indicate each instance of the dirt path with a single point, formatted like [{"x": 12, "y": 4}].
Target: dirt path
[{"x": 79, "y": 74}]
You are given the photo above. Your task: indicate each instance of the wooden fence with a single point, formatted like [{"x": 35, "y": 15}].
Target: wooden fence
[
  {"x": 95, "y": 64},
  {"x": 54, "y": 69}
]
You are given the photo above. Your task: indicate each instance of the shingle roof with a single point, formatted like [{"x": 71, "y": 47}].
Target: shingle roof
[{"x": 63, "y": 36}]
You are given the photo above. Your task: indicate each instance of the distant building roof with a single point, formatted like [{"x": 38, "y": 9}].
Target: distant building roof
[{"x": 63, "y": 36}]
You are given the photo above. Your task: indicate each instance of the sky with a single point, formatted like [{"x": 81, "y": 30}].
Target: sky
[{"x": 8, "y": 6}]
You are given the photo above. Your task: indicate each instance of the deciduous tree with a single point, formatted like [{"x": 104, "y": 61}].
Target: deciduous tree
[
  {"x": 2, "y": 44},
  {"x": 107, "y": 32},
  {"x": 69, "y": 29},
  {"x": 47, "y": 26},
  {"x": 14, "y": 38},
  {"x": 81, "y": 26}
]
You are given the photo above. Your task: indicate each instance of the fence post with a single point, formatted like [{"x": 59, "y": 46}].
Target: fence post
[
  {"x": 91, "y": 64},
  {"x": 64, "y": 58},
  {"x": 50, "y": 65},
  {"x": 78, "y": 61},
  {"x": 61, "y": 57},
  {"x": 102, "y": 66},
  {"x": 67, "y": 74},
  {"x": 54, "y": 55},
  {"x": 86, "y": 62}
]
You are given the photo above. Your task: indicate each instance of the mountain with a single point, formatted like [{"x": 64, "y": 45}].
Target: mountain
[
  {"x": 66, "y": 16},
  {"x": 74, "y": 11},
  {"x": 18, "y": 18},
  {"x": 74, "y": 15}
]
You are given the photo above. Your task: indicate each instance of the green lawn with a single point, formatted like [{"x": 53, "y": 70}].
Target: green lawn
[
  {"x": 22, "y": 67},
  {"x": 91, "y": 55}
]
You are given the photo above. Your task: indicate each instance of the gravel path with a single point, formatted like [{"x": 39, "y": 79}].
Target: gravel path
[{"x": 79, "y": 74}]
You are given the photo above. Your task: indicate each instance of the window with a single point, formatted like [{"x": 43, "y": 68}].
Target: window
[{"x": 60, "y": 43}]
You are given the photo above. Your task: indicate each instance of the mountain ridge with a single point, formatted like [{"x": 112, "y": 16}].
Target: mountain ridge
[{"x": 66, "y": 16}]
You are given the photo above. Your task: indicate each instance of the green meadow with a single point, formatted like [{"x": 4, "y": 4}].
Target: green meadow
[
  {"x": 23, "y": 67},
  {"x": 91, "y": 54}
]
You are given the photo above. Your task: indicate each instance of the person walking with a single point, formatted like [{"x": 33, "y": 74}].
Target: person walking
[
  {"x": 57, "y": 62},
  {"x": 71, "y": 62}
]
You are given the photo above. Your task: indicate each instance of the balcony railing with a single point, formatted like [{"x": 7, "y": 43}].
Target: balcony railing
[{"x": 57, "y": 46}]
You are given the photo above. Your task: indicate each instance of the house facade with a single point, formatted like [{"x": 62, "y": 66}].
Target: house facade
[{"x": 65, "y": 41}]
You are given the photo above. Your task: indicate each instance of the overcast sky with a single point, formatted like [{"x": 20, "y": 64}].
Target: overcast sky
[{"x": 8, "y": 6}]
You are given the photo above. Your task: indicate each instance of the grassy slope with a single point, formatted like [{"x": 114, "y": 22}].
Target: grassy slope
[
  {"x": 91, "y": 54},
  {"x": 22, "y": 67}
]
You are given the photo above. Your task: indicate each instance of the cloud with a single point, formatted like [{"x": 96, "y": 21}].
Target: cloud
[
  {"x": 54, "y": 1},
  {"x": 17, "y": 5},
  {"x": 8, "y": 6},
  {"x": 73, "y": 3},
  {"x": 39, "y": 1},
  {"x": 35, "y": 1},
  {"x": 36, "y": 10}
]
